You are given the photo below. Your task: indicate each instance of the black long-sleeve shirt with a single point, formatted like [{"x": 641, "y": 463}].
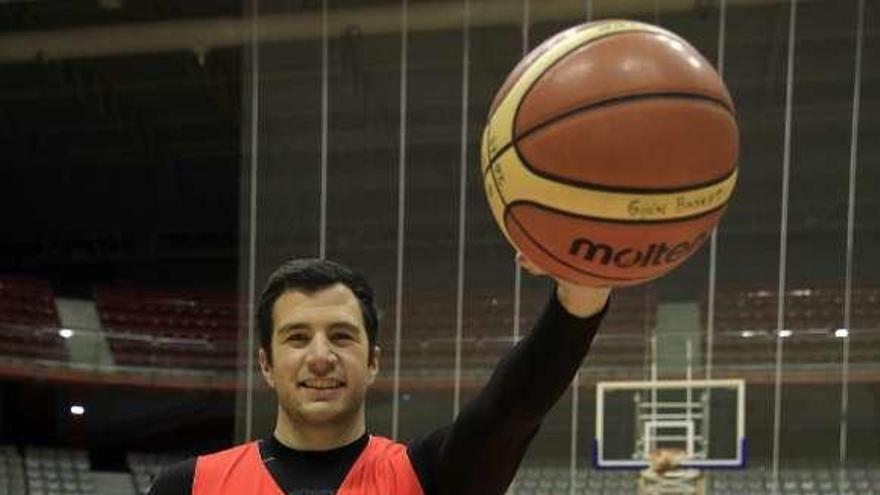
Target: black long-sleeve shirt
[{"x": 479, "y": 452}]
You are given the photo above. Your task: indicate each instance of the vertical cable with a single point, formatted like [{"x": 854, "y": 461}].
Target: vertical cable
[
  {"x": 722, "y": 36},
  {"x": 401, "y": 212},
  {"x": 325, "y": 120},
  {"x": 713, "y": 241},
  {"x": 526, "y": 25},
  {"x": 572, "y": 466},
  {"x": 655, "y": 375},
  {"x": 517, "y": 274},
  {"x": 517, "y": 298},
  {"x": 783, "y": 238},
  {"x": 575, "y": 390},
  {"x": 689, "y": 396},
  {"x": 850, "y": 227},
  {"x": 713, "y": 249},
  {"x": 649, "y": 332},
  {"x": 517, "y": 270},
  {"x": 252, "y": 214},
  {"x": 462, "y": 200}
]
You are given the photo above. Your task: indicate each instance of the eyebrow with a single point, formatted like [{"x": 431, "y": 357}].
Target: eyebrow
[
  {"x": 300, "y": 325},
  {"x": 344, "y": 325},
  {"x": 289, "y": 327}
]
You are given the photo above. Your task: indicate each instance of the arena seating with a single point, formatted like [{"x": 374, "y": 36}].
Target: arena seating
[
  {"x": 817, "y": 478},
  {"x": 635, "y": 312},
  {"x": 806, "y": 308},
  {"x": 28, "y": 319},
  {"x": 199, "y": 331},
  {"x": 167, "y": 329},
  {"x": 866, "y": 306},
  {"x": 145, "y": 467},
  {"x": 746, "y": 320},
  {"x": 11, "y": 472},
  {"x": 58, "y": 472},
  {"x": 429, "y": 334},
  {"x": 66, "y": 472}
]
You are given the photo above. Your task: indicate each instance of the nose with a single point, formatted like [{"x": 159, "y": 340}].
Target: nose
[{"x": 321, "y": 359}]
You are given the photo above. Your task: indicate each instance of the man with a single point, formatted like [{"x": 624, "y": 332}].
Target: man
[{"x": 318, "y": 352}]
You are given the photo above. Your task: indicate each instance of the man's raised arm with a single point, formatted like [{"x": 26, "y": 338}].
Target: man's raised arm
[{"x": 480, "y": 452}]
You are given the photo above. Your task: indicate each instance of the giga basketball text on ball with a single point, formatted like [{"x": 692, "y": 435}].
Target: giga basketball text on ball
[{"x": 681, "y": 204}]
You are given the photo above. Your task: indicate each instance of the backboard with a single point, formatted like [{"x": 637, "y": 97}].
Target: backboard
[{"x": 703, "y": 418}]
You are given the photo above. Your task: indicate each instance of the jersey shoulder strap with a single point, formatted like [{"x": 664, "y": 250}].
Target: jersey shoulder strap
[{"x": 233, "y": 472}]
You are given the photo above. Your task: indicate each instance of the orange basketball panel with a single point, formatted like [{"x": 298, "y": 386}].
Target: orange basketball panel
[
  {"x": 659, "y": 143},
  {"x": 618, "y": 66},
  {"x": 530, "y": 58},
  {"x": 595, "y": 252}
]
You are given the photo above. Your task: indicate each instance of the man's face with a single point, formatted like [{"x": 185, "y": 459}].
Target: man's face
[{"x": 320, "y": 369}]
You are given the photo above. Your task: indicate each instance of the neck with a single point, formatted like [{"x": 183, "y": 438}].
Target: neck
[{"x": 309, "y": 436}]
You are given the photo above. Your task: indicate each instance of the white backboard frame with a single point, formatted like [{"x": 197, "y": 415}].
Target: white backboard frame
[{"x": 602, "y": 388}]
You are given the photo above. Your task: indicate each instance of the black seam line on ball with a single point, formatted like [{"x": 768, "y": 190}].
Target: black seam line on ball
[
  {"x": 617, "y": 100},
  {"x": 591, "y": 106},
  {"x": 620, "y": 189},
  {"x": 545, "y": 251},
  {"x": 635, "y": 29},
  {"x": 556, "y": 62},
  {"x": 620, "y": 100},
  {"x": 639, "y": 221},
  {"x": 532, "y": 85}
]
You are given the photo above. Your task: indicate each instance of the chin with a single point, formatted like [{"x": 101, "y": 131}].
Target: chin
[{"x": 323, "y": 412}]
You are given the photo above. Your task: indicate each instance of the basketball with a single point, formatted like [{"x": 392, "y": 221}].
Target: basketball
[{"x": 610, "y": 153}]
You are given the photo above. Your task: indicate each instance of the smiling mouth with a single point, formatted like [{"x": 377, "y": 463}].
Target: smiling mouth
[{"x": 322, "y": 384}]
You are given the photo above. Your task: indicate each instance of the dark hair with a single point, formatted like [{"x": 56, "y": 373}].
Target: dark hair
[{"x": 311, "y": 275}]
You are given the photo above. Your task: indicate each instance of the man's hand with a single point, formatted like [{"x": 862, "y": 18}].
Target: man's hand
[{"x": 580, "y": 301}]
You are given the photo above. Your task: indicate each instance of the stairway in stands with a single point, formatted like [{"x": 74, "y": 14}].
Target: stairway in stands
[{"x": 107, "y": 483}]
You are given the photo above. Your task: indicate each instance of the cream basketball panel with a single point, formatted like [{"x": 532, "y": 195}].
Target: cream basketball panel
[
  {"x": 515, "y": 182},
  {"x": 499, "y": 130}
]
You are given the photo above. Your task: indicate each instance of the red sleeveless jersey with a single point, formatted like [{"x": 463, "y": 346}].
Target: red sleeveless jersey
[{"x": 383, "y": 468}]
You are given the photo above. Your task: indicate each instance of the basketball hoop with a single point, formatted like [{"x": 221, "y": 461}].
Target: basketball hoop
[
  {"x": 663, "y": 460},
  {"x": 664, "y": 477}
]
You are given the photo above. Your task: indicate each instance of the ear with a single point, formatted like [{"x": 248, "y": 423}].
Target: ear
[
  {"x": 266, "y": 368},
  {"x": 373, "y": 365}
]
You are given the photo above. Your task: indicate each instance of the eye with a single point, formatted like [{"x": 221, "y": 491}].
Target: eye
[
  {"x": 341, "y": 337},
  {"x": 297, "y": 338}
]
